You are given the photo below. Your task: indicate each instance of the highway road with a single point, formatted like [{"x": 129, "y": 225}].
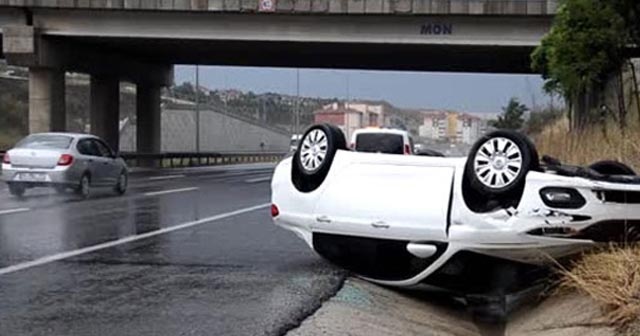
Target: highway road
[{"x": 184, "y": 252}]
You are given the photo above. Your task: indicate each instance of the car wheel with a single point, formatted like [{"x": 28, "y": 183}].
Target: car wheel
[
  {"x": 499, "y": 162},
  {"x": 17, "y": 190},
  {"x": 121, "y": 185},
  {"x": 610, "y": 167},
  {"x": 315, "y": 153},
  {"x": 84, "y": 188}
]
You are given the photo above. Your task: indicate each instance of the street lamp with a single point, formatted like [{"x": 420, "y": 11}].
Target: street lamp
[
  {"x": 297, "y": 108},
  {"x": 197, "y": 108}
]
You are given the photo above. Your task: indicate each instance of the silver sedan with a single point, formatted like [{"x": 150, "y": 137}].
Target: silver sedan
[{"x": 63, "y": 161}]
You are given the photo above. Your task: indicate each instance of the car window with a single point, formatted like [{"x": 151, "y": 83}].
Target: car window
[
  {"x": 380, "y": 143},
  {"x": 102, "y": 148},
  {"x": 45, "y": 141},
  {"x": 87, "y": 147}
]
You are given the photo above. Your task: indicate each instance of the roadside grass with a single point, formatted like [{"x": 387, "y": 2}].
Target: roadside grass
[
  {"x": 609, "y": 275},
  {"x": 599, "y": 142}
]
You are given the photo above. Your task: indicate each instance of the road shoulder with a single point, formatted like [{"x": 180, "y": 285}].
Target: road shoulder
[{"x": 361, "y": 308}]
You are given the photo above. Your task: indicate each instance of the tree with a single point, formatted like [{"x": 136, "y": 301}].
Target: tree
[
  {"x": 512, "y": 115},
  {"x": 586, "y": 44}
]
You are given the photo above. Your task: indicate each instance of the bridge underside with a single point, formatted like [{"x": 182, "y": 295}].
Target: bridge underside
[
  {"x": 374, "y": 56},
  {"x": 142, "y": 46}
]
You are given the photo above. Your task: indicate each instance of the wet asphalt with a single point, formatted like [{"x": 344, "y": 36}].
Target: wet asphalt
[{"x": 237, "y": 274}]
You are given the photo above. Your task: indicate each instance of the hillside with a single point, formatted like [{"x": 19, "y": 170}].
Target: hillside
[{"x": 271, "y": 109}]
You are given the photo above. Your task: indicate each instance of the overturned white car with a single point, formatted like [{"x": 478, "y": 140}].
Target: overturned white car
[{"x": 403, "y": 220}]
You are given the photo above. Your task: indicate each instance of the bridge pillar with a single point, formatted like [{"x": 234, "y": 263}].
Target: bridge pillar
[
  {"x": 105, "y": 109},
  {"x": 148, "y": 134},
  {"x": 47, "y": 110}
]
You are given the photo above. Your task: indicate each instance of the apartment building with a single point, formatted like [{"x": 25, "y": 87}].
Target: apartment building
[{"x": 452, "y": 126}]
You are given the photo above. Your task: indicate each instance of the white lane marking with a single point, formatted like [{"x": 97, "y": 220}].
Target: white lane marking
[
  {"x": 166, "y": 177},
  {"x": 170, "y": 191},
  {"x": 258, "y": 179},
  {"x": 11, "y": 211},
  {"x": 89, "y": 249}
]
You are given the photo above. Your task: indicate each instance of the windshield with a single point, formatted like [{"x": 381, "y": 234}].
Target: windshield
[
  {"x": 40, "y": 141},
  {"x": 379, "y": 143}
]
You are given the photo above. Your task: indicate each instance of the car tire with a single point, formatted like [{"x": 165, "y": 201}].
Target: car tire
[
  {"x": 314, "y": 156},
  {"x": 499, "y": 162},
  {"x": 17, "y": 190},
  {"x": 84, "y": 188},
  {"x": 611, "y": 167},
  {"x": 122, "y": 183}
]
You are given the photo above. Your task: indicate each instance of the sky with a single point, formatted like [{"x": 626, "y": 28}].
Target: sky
[{"x": 466, "y": 92}]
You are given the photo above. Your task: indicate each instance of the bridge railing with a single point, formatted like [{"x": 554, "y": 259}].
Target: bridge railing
[
  {"x": 471, "y": 7},
  {"x": 185, "y": 159}
]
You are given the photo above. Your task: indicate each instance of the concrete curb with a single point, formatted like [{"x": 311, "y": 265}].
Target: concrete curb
[
  {"x": 364, "y": 309},
  {"x": 361, "y": 308}
]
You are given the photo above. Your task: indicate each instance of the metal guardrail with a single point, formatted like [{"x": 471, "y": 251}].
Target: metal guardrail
[{"x": 185, "y": 159}]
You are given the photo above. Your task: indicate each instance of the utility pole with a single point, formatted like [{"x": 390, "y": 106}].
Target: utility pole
[
  {"x": 297, "y": 108},
  {"x": 198, "y": 108},
  {"x": 348, "y": 90}
]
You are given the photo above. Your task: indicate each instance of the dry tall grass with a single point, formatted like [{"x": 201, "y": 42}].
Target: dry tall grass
[
  {"x": 611, "y": 277},
  {"x": 600, "y": 142}
]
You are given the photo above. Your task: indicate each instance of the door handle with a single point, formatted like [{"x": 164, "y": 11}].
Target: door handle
[
  {"x": 323, "y": 219},
  {"x": 380, "y": 225}
]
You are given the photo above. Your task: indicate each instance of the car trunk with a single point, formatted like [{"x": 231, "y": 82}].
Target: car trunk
[
  {"x": 34, "y": 158},
  {"x": 405, "y": 202},
  {"x": 371, "y": 212}
]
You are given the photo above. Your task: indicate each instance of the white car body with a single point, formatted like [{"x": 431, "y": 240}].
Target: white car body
[{"x": 418, "y": 201}]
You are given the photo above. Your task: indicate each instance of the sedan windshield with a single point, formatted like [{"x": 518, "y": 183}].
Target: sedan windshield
[
  {"x": 45, "y": 141},
  {"x": 379, "y": 143}
]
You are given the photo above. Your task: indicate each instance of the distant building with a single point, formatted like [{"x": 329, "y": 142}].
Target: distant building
[
  {"x": 350, "y": 116},
  {"x": 348, "y": 120},
  {"x": 230, "y": 94},
  {"x": 435, "y": 125},
  {"x": 451, "y": 126}
]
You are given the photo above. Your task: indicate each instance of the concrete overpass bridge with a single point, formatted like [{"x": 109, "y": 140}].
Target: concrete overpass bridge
[{"x": 140, "y": 40}]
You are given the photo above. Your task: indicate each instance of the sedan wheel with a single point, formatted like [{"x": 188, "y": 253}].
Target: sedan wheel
[
  {"x": 84, "y": 189},
  {"x": 312, "y": 160},
  {"x": 121, "y": 186},
  {"x": 313, "y": 150},
  {"x": 17, "y": 190},
  {"x": 498, "y": 163}
]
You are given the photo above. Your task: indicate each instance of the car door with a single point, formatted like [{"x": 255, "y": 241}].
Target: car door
[
  {"x": 91, "y": 159},
  {"x": 109, "y": 170},
  {"x": 401, "y": 202}
]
